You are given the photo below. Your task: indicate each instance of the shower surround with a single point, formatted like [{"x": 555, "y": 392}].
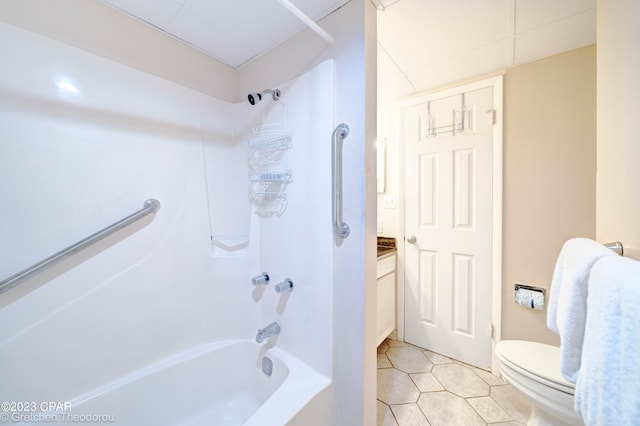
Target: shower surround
[{"x": 85, "y": 141}]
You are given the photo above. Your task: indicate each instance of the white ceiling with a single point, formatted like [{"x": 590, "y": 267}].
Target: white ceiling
[
  {"x": 232, "y": 31},
  {"x": 426, "y": 44},
  {"x": 422, "y": 44}
]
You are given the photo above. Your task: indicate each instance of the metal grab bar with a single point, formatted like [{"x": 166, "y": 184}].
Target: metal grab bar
[
  {"x": 340, "y": 228},
  {"x": 150, "y": 206}
]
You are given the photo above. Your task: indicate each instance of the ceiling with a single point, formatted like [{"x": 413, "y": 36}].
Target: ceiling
[
  {"x": 426, "y": 44},
  {"x": 422, "y": 44},
  {"x": 232, "y": 31}
]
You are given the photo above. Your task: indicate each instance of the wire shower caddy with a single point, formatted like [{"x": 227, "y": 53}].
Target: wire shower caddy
[{"x": 269, "y": 170}]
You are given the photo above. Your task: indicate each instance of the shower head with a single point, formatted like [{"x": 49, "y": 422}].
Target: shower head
[{"x": 254, "y": 98}]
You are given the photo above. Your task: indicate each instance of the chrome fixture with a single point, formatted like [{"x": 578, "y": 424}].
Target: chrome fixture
[
  {"x": 267, "y": 366},
  {"x": 263, "y": 278},
  {"x": 270, "y": 330},
  {"x": 254, "y": 98},
  {"x": 340, "y": 228},
  {"x": 616, "y": 246},
  {"x": 285, "y": 286},
  {"x": 150, "y": 206}
]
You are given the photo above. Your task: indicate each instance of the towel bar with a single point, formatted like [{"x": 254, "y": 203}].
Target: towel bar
[{"x": 616, "y": 246}]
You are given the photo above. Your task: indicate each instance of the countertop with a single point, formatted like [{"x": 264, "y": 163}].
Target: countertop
[{"x": 386, "y": 245}]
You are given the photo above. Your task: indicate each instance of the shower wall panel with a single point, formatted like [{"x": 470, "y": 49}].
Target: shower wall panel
[
  {"x": 297, "y": 244},
  {"x": 85, "y": 141}
]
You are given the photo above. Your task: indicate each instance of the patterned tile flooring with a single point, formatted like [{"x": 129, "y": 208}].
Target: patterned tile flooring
[{"x": 419, "y": 387}]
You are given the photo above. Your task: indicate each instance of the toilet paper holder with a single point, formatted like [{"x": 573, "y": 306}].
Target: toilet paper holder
[{"x": 529, "y": 296}]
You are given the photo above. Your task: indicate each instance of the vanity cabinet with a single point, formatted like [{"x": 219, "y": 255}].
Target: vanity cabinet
[{"x": 386, "y": 319}]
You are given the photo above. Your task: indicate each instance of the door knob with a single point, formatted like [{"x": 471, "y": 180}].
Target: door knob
[{"x": 411, "y": 239}]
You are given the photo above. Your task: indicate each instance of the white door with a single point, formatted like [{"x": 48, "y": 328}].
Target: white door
[{"x": 448, "y": 224}]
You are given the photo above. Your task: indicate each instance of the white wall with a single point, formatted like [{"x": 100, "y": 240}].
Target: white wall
[
  {"x": 353, "y": 26},
  {"x": 296, "y": 244},
  {"x": 388, "y": 214},
  {"x": 117, "y": 122},
  {"x": 617, "y": 200},
  {"x": 74, "y": 163},
  {"x": 80, "y": 161}
]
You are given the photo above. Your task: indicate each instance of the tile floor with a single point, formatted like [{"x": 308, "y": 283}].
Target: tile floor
[{"x": 419, "y": 387}]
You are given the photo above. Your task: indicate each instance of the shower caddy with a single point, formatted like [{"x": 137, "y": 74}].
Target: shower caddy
[{"x": 269, "y": 170}]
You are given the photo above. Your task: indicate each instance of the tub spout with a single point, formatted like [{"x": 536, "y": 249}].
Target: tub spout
[{"x": 270, "y": 330}]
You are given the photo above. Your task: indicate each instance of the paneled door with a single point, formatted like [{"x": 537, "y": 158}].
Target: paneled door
[{"x": 448, "y": 224}]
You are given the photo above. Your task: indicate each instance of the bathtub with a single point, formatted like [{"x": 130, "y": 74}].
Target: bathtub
[{"x": 220, "y": 383}]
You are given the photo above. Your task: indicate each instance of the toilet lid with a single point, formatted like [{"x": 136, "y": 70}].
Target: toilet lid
[{"x": 537, "y": 359}]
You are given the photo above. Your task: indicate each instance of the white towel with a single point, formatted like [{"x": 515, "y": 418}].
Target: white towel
[
  {"x": 608, "y": 388},
  {"x": 567, "y": 310}
]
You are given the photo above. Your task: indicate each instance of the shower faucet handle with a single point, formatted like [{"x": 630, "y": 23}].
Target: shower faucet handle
[
  {"x": 285, "y": 286},
  {"x": 263, "y": 279}
]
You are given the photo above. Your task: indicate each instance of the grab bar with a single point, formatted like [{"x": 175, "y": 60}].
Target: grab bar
[
  {"x": 150, "y": 206},
  {"x": 340, "y": 228}
]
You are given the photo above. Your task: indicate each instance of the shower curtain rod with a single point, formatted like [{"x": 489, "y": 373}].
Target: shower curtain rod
[{"x": 308, "y": 21}]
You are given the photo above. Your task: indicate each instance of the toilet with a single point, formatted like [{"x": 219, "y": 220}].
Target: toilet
[{"x": 534, "y": 369}]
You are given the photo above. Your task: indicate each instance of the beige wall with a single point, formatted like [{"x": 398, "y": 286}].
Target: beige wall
[
  {"x": 618, "y": 182},
  {"x": 549, "y": 176}
]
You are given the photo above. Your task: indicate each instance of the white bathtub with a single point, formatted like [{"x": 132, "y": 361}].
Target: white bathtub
[{"x": 220, "y": 383}]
